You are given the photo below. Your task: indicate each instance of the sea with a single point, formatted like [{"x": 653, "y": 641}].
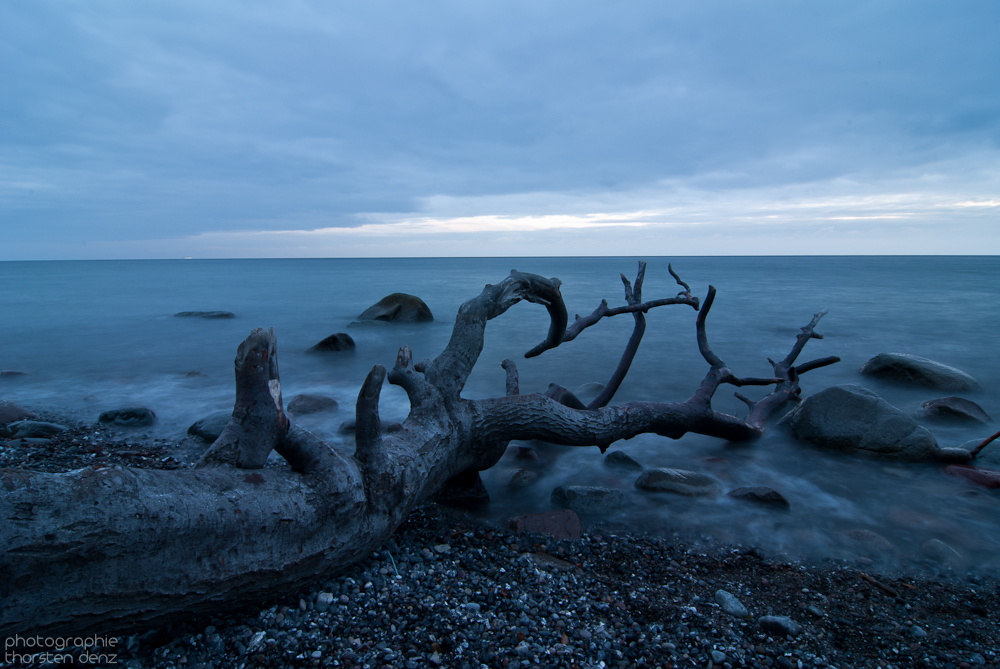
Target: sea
[{"x": 95, "y": 335}]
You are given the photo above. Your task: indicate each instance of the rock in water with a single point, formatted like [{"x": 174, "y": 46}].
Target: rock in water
[
  {"x": 677, "y": 481},
  {"x": 918, "y": 371},
  {"x": 398, "y": 308},
  {"x": 306, "y": 403},
  {"x": 621, "y": 460},
  {"x": 588, "y": 499},
  {"x": 33, "y": 428},
  {"x": 10, "y": 412},
  {"x": 760, "y": 495},
  {"x": 854, "y": 419},
  {"x": 211, "y": 426},
  {"x": 205, "y": 314},
  {"x": 955, "y": 408},
  {"x": 563, "y": 524},
  {"x": 129, "y": 417},
  {"x": 340, "y": 341}
]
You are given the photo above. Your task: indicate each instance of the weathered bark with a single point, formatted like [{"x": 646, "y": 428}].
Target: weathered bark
[{"x": 111, "y": 550}]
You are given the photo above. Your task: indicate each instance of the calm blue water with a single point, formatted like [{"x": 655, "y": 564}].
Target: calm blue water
[{"x": 97, "y": 335}]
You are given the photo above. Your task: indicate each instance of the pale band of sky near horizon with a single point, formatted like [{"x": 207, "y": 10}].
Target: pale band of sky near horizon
[{"x": 380, "y": 129}]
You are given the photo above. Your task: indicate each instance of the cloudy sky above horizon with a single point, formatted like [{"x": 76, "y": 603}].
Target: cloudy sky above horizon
[{"x": 482, "y": 128}]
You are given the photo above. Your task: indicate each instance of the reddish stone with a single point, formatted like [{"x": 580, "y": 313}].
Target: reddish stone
[
  {"x": 562, "y": 524},
  {"x": 988, "y": 478}
]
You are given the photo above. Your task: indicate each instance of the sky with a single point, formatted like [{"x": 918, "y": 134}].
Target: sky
[{"x": 303, "y": 128}]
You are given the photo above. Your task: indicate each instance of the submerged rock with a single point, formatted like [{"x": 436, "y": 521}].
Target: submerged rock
[
  {"x": 942, "y": 553},
  {"x": 340, "y": 341},
  {"x": 677, "y": 481},
  {"x": 34, "y": 428},
  {"x": 955, "y": 408},
  {"x": 129, "y": 417},
  {"x": 205, "y": 314},
  {"x": 10, "y": 412},
  {"x": 588, "y": 499},
  {"x": 918, "y": 371},
  {"x": 306, "y": 403},
  {"x": 621, "y": 460},
  {"x": 760, "y": 495},
  {"x": 398, "y": 308},
  {"x": 211, "y": 426},
  {"x": 854, "y": 419}
]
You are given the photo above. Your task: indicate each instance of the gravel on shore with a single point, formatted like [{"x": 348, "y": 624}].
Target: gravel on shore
[{"x": 452, "y": 590}]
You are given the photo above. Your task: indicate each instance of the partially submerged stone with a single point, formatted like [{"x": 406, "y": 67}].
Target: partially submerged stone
[
  {"x": 677, "y": 481},
  {"x": 761, "y": 495},
  {"x": 10, "y": 412},
  {"x": 919, "y": 371},
  {"x": 588, "y": 499},
  {"x": 307, "y": 403},
  {"x": 955, "y": 408},
  {"x": 562, "y": 524},
  {"x": 621, "y": 460},
  {"x": 398, "y": 308},
  {"x": 339, "y": 341},
  {"x": 129, "y": 417},
  {"x": 211, "y": 426},
  {"x": 856, "y": 420},
  {"x": 205, "y": 314},
  {"x": 34, "y": 428}
]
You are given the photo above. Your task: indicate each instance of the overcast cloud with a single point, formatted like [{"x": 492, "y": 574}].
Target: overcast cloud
[{"x": 242, "y": 129}]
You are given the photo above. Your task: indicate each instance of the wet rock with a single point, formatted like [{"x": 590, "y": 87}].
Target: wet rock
[
  {"x": 621, "y": 460},
  {"x": 211, "y": 426},
  {"x": 340, "y": 341},
  {"x": 463, "y": 491},
  {"x": 129, "y": 417},
  {"x": 306, "y": 404},
  {"x": 398, "y": 308},
  {"x": 955, "y": 408},
  {"x": 918, "y": 371},
  {"x": 520, "y": 479},
  {"x": 10, "y": 412},
  {"x": 677, "y": 481},
  {"x": 730, "y": 604},
  {"x": 589, "y": 391},
  {"x": 196, "y": 374},
  {"x": 942, "y": 553},
  {"x": 11, "y": 374},
  {"x": 988, "y": 478},
  {"x": 918, "y": 632},
  {"x": 588, "y": 499},
  {"x": 564, "y": 396},
  {"x": 562, "y": 524},
  {"x": 854, "y": 419},
  {"x": 779, "y": 626},
  {"x": 955, "y": 455},
  {"x": 760, "y": 495},
  {"x": 205, "y": 314},
  {"x": 871, "y": 543},
  {"x": 32, "y": 428}
]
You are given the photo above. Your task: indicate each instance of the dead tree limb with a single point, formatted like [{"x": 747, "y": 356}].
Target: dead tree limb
[{"x": 112, "y": 549}]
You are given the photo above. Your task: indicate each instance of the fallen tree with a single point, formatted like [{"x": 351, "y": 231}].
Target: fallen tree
[{"x": 113, "y": 550}]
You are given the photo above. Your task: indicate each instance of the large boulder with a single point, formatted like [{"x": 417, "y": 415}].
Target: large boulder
[
  {"x": 854, "y": 419},
  {"x": 918, "y": 371},
  {"x": 398, "y": 308}
]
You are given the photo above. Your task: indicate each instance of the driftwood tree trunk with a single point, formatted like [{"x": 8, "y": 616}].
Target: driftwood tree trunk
[{"x": 111, "y": 550}]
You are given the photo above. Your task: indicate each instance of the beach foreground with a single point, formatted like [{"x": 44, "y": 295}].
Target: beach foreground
[{"x": 450, "y": 589}]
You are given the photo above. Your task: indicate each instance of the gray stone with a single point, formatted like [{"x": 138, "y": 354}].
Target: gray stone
[
  {"x": 942, "y": 553},
  {"x": 918, "y": 371},
  {"x": 871, "y": 543},
  {"x": 129, "y": 417},
  {"x": 854, "y": 419},
  {"x": 918, "y": 632},
  {"x": 211, "y": 426},
  {"x": 588, "y": 499},
  {"x": 760, "y": 495},
  {"x": 398, "y": 308},
  {"x": 621, "y": 460},
  {"x": 10, "y": 412},
  {"x": 306, "y": 403},
  {"x": 955, "y": 408},
  {"x": 522, "y": 478},
  {"x": 205, "y": 314},
  {"x": 730, "y": 604},
  {"x": 564, "y": 396},
  {"x": 34, "y": 428},
  {"x": 718, "y": 657},
  {"x": 323, "y": 601},
  {"x": 990, "y": 455},
  {"x": 11, "y": 374},
  {"x": 779, "y": 626},
  {"x": 340, "y": 341},
  {"x": 677, "y": 481}
]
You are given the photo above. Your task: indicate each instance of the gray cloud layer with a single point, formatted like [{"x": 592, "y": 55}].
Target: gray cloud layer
[{"x": 132, "y": 121}]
